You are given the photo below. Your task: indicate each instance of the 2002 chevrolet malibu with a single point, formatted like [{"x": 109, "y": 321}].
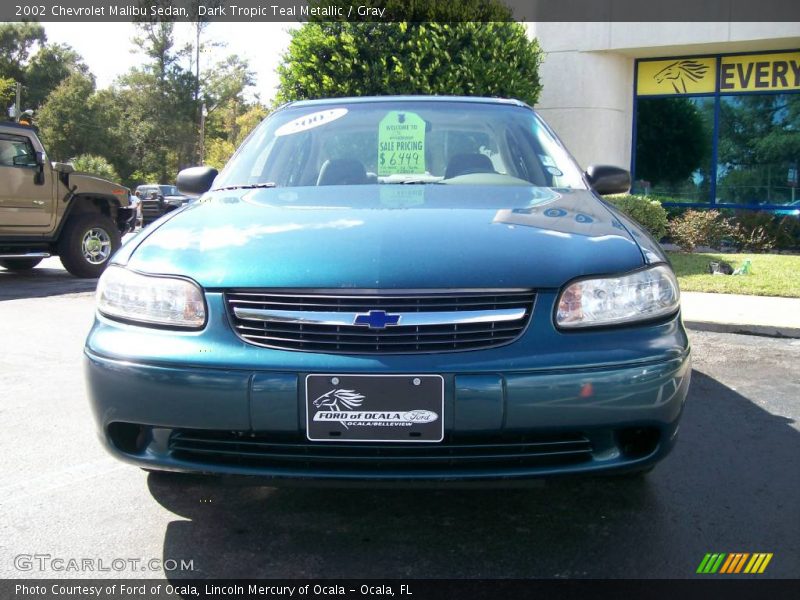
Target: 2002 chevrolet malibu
[{"x": 392, "y": 289}]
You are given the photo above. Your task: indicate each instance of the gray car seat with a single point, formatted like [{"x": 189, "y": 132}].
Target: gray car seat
[
  {"x": 342, "y": 171},
  {"x": 464, "y": 164}
]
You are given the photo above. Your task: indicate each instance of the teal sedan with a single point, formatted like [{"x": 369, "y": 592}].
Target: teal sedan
[{"x": 392, "y": 290}]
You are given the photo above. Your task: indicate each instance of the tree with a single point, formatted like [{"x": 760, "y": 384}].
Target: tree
[
  {"x": 228, "y": 133},
  {"x": 16, "y": 42},
  {"x": 156, "y": 108},
  {"x": 51, "y": 65},
  {"x": 426, "y": 11},
  {"x": 68, "y": 120},
  {"x": 95, "y": 165},
  {"x": 672, "y": 139},
  {"x": 224, "y": 99},
  {"x": 7, "y": 93},
  {"x": 759, "y": 142},
  {"x": 462, "y": 58}
]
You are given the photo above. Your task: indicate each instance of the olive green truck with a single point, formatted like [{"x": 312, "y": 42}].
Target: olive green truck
[{"x": 49, "y": 210}]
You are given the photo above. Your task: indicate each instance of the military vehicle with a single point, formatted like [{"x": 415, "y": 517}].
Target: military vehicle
[{"x": 47, "y": 209}]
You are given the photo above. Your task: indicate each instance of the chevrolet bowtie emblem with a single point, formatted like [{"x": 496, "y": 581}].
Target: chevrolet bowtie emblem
[{"x": 376, "y": 319}]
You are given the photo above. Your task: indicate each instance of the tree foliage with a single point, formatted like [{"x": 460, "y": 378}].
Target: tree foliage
[
  {"x": 68, "y": 120},
  {"x": 16, "y": 42},
  {"x": 672, "y": 139},
  {"x": 759, "y": 141},
  {"x": 648, "y": 213},
  {"x": 7, "y": 92},
  {"x": 463, "y": 58},
  {"x": 51, "y": 65},
  {"x": 228, "y": 130},
  {"x": 39, "y": 73},
  {"x": 95, "y": 165},
  {"x": 425, "y": 11}
]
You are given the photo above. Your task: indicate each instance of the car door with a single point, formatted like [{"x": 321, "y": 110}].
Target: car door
[{"x": 27, "y": 204}]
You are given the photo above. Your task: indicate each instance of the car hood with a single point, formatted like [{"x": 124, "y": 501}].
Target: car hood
[
  {"x": 88, "y": 184},
  {"x": 388, "y": 236}
]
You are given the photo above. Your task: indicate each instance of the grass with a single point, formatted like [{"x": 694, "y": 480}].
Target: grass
[{"x": 770, "y": 274}]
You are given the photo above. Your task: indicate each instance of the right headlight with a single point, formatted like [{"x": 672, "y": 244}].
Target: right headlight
[
  {"x": 150, "y": 299},
  {"x": 639, "y": 296}
]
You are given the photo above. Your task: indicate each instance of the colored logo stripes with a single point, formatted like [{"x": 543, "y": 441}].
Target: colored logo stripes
[{"x": 736, "y": 562}]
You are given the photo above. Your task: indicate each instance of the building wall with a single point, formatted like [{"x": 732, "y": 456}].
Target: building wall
[{"x": 587, "y": 74}]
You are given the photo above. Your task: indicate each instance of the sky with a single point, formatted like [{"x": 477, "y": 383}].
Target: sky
[{"x": 109, "y": 51}]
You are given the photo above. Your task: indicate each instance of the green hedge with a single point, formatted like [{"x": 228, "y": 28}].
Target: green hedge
[{"x": 647, "y": 212}]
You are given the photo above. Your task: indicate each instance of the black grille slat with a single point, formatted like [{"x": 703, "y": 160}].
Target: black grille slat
[
  {"x": 261, "y": 450},
  {"x": 418, "y": 307},
  {"x": 385, "y": 340},
  {"x": 399, "y": 339},
  {"x": 394, "y": 332},
  {"x": 202, "y": 437}
]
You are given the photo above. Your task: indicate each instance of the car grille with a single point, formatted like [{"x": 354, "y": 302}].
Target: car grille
[
  {"x": 270, "y": 452},
  {"x": 152, "y": 209},
  {"x": 430, "y": 321}
]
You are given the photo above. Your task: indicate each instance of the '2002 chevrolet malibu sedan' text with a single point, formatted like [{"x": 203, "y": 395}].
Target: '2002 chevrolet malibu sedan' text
[{"x": 392, "y": 289}]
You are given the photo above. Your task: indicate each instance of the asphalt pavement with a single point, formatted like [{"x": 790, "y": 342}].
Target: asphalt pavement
[{"x": 731, "y": 484}]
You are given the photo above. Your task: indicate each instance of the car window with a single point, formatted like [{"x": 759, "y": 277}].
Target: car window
[
  {"x": 19, "y": 148},
  {"x": 387, "y": 142}
]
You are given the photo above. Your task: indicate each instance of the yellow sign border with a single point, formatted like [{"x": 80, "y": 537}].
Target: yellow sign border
[{"x": 776, "y": 71}]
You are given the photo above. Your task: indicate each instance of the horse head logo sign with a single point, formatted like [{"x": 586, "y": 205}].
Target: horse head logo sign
[
  {"x": 339, "y": 400},
  {"x": 681, "y": 71}
]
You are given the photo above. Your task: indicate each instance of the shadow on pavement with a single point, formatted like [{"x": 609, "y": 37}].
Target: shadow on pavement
[
  {"x": 40, "y": 283},
  {"x": 730, "y": 485}
]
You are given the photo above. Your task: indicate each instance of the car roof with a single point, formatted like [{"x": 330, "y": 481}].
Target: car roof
[
  {"x": 374, "y": 99},
  {"x": 16, "y": 125}
]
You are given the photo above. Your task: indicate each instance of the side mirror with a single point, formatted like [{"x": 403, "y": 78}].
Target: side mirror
[
  {"x": 606, "y": 179},
  {"x": 40, "y": 158},
  {"x": 196, "y": 180}
]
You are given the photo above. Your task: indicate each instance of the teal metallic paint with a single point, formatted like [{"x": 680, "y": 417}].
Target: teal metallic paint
[
  {"x": 540, "y": 347},
  {"x": 518, "y": 237},
  {"x": 552, "y": 400},
  {"x": 592, "y": 381}
]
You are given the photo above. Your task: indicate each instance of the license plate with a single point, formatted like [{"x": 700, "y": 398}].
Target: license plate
[{"x": 375, "y": 408}]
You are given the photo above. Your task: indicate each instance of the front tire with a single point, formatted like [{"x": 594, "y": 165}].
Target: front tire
[
  {"x": 87, "y": 244},
  {"x": 19, "y": 264}
]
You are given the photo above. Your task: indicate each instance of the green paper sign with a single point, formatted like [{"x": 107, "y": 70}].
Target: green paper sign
[{"x": 401, "y": 144}]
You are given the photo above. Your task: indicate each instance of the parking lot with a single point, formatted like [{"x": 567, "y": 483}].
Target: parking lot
[{"x": 731, "y": 485}]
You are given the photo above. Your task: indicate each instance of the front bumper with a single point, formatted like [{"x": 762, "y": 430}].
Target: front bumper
[
  {"x": 126, "y": 220},
  {"x": 505, "y": 425}
]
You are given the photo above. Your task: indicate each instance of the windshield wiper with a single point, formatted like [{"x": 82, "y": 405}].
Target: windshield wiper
[
  {"x": 409, "y": 179},
  {"x": 418, "y": 182},
  {"x": 247, "y": 186}
]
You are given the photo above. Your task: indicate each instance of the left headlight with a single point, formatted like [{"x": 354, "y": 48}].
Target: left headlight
[
  {"x": 643, "y": 295},
  {"x": 150, "y": 299}
]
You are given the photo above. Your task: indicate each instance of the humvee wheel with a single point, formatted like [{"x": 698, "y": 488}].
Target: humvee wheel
[{"x": 87, "y": 243}]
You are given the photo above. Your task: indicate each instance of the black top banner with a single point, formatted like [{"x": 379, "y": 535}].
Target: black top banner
[{"x": 402, "y": 10}]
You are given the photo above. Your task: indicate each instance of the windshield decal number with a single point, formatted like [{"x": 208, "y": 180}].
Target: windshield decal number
[{"x": 310, "y": 121}]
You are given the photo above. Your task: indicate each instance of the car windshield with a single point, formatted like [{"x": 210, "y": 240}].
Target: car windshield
[{"x": 402, "y": 142}]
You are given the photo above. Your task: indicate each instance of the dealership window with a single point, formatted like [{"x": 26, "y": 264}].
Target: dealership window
[{"x": 718, "y": 131}]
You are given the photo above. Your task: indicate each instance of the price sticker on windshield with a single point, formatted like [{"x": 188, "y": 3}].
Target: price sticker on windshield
[{"x": 401, "y": 144}]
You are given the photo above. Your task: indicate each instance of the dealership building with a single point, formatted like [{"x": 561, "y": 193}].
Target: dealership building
[{"x": 704, "y": 114}]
